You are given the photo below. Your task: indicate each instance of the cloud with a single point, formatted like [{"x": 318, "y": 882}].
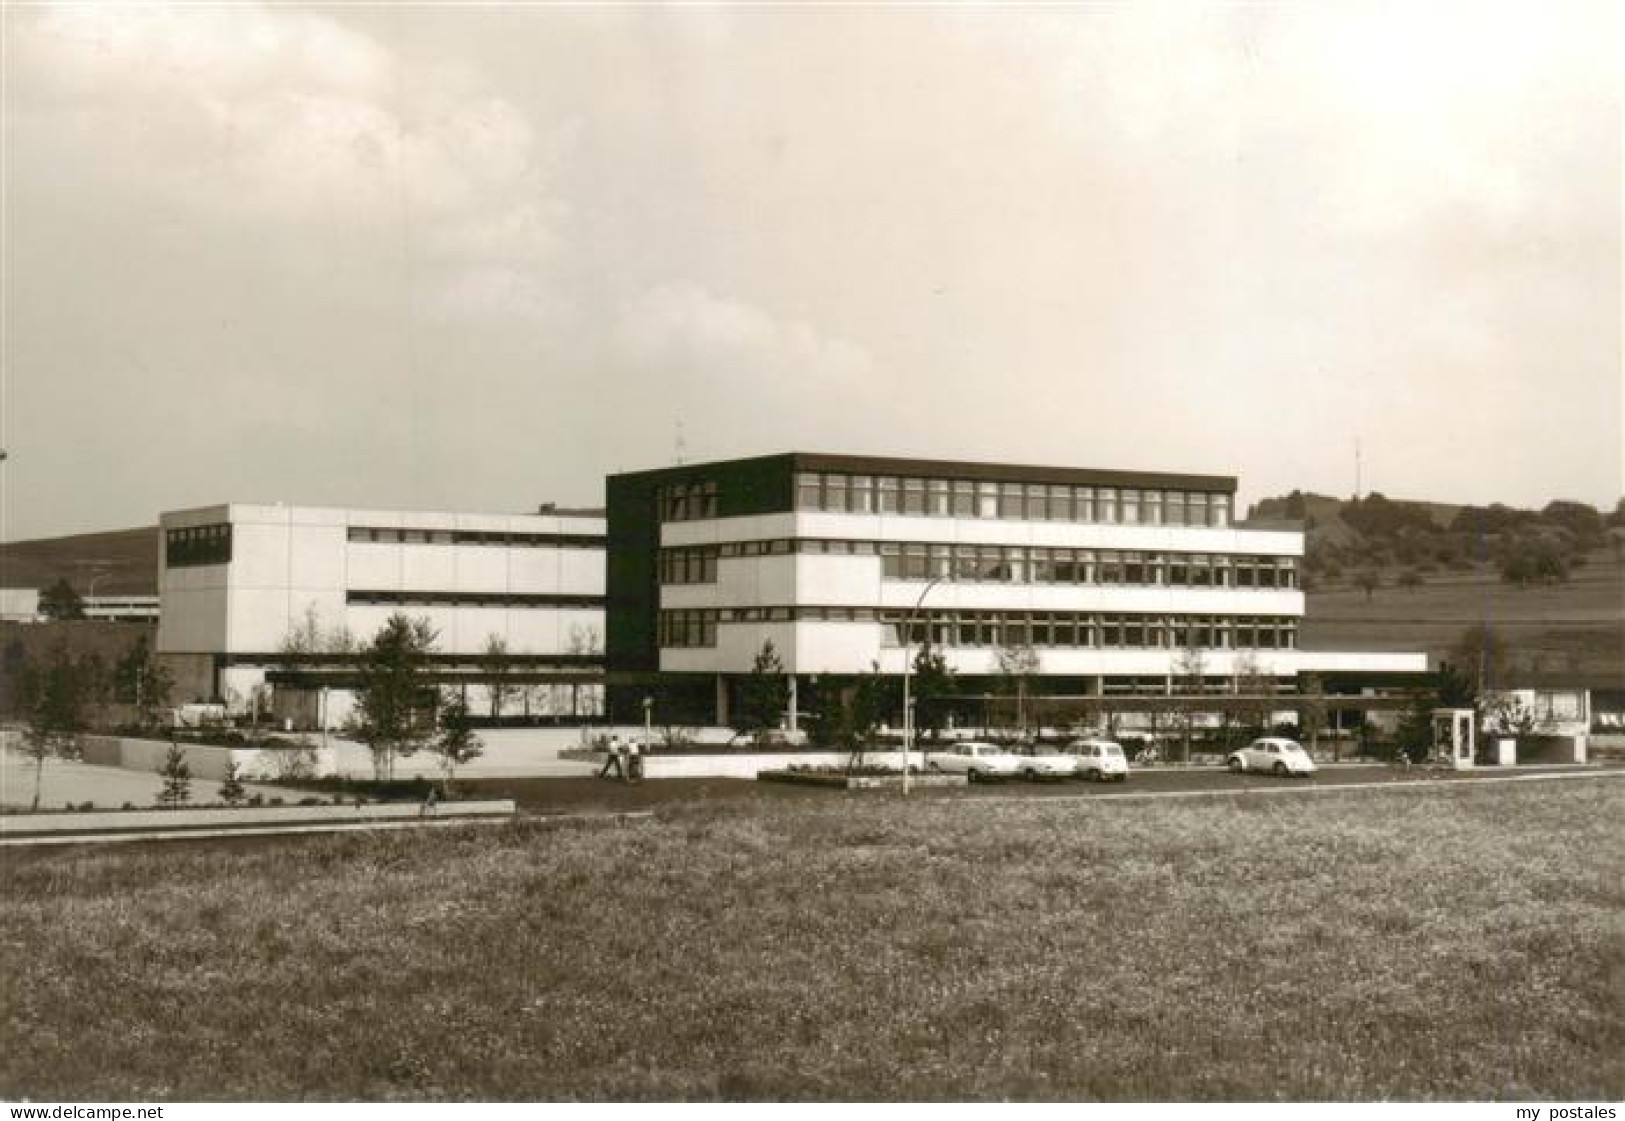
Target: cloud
[
  {"x": 682, "y": 326},
  {"x": 279, "y": 118}
]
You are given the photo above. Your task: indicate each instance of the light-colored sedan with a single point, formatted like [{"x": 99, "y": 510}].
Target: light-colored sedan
[
  {"x": 1101, "y": 760},
  {"x": 1274, "y": 755},
  {"x": 974, "y": 760},
  {"x": 1042, "y": 761}
]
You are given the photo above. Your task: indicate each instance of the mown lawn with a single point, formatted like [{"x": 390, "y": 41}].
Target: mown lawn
[{"x": 1456, "y": 943}]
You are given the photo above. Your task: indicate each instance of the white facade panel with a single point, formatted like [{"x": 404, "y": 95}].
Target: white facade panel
[
  {"x": 842, "y": 581},
  {"x": 478, "y": 568},
  {"x": 542, "y": 570},
  {"x": 259, "y": 555},
  {"x": 317, "y": 556},
  {"x": 374, "y": 567},
  {"x": 581, "y": 571},
  {"x": 426, "y": 567},
  {"x": 259, "y": 619},
  {"x": 712, "y": 531},
  {"x": 836, "y": 647},
  {"x": 285, "y": 559}
]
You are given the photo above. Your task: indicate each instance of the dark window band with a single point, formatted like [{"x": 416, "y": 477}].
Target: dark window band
[
  {"x": 697, "y": 627},
  {"x": 394, "y": 536},
  {"x": 1004, "y": 564},
  {"x": 198, "y": 545},
  {"x": 467, "y": 599}
]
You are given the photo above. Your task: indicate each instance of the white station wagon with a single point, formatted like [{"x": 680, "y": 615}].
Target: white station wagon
[
  {"x": 1272, "y": 754},
  {"x": 1101, "y": 760},
  {"x": 975, "y": 761}
]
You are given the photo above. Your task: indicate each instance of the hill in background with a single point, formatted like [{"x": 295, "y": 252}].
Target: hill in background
[
  {"x": 1386, "y": 574},
  {"x": 128, "y": 557}
]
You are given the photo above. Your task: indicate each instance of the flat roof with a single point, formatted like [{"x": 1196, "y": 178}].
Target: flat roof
[{"x": 955, "y": 469}]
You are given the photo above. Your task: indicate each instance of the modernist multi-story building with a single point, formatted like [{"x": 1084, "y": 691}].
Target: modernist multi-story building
[
  {"x": 254, "y": 594},
  {"x": 1111, "y": 578}
]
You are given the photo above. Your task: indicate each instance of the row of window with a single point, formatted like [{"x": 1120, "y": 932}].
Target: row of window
[
  {"x": 476, "y": 537},
  {"x": 687, "y": 502},
  {"x": 1004, "y": 564},
  {"x": 697, "y": 627},
  {"x": 1033, "y": 502},
  {"x": 196, "y": 545},
  {"x": 468, "y": 599}
]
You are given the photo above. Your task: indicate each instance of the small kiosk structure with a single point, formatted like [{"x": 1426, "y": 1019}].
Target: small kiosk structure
[{"x": 1453, "y": 736}]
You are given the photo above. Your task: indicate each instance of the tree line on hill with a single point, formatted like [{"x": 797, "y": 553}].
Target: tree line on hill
[{"x": 1359, "y": 540}]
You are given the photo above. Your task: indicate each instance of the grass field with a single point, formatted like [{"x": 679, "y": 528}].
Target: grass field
[{"x": 1458, "y": 943}]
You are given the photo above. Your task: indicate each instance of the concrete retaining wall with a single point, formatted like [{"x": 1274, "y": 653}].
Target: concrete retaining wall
[
  {"x": 21, "y": 824},
  {"x": 205, "y": 760}
]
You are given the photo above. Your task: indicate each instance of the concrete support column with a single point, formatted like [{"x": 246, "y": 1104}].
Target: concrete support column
[
  {"x": 722, "y": 702},
  {"x": 794, "y": 717}
]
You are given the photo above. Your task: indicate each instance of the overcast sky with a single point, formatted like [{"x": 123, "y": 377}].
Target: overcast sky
[{"x": 478, "y": 258}]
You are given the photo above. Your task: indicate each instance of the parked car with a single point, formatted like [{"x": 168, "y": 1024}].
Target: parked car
[
  {"x": 1272, "y": 754},
  {"x": 974, "y": 760},
  {"x": 1042, "y": 761},
  {"x": 1100, "y": 760}
]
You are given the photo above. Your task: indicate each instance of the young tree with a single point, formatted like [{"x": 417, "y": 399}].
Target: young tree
[
  {"x": 848, "y": 714},
  {"x": 177, "y": 775},
  {"x": 1479, "y": 662},
  {"x": 1256, "y": 691},
  {"x": 763, "y": 695},
  {"x": 933, "y": 684},
  {"x": 1312, "y": 710},
  {"x": 496, "y": 667},
  {"x": 305, "y": 636},
  {"x": 585, "y": 642},
  {"x": 395, "y": 702},
  {"x": 456, "y": 744},
  {"x": 140, "y": 680},
  {"x": 60, "y": 601},
  {"x": 1415, "y": 734},
  {"x": 231, "y": 787},
  {"x": 1190, "y": 682},
  {"x": 1018, "y": 665},
  {"x": 54, "y": 700}
]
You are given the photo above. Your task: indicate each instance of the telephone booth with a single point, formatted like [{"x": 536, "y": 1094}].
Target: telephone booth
[{"x": 1453, "y": 736}]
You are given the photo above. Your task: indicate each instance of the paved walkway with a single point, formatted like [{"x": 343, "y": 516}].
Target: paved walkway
[{"x": 108, "y": 787}]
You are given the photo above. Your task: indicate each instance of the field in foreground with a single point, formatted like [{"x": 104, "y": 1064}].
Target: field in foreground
[{"x": 1459, "y": 943}]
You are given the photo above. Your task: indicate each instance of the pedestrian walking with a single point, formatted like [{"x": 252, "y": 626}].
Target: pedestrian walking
[
  {"x": 612, "y": 760},
  {"x": 626, "y": 761},
  {"x": 431, "y": 804},
  {"x": 634, "y": 763}
]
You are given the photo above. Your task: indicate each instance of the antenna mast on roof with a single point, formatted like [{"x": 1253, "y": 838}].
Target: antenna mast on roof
[{"x": 682, "y": 445}]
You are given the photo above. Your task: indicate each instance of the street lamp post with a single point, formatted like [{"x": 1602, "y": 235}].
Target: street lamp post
[
  {"x": 908, "y": 667},
  {"x": 648, "y": 723}
]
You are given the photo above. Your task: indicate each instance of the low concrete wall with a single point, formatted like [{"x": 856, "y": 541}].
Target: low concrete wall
[
  {"x": 747, "y": 765},
  {"x": 12, "y": 825},
  {"x": 205, "y": 760},
  {"x": 509, "y": 753}
]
